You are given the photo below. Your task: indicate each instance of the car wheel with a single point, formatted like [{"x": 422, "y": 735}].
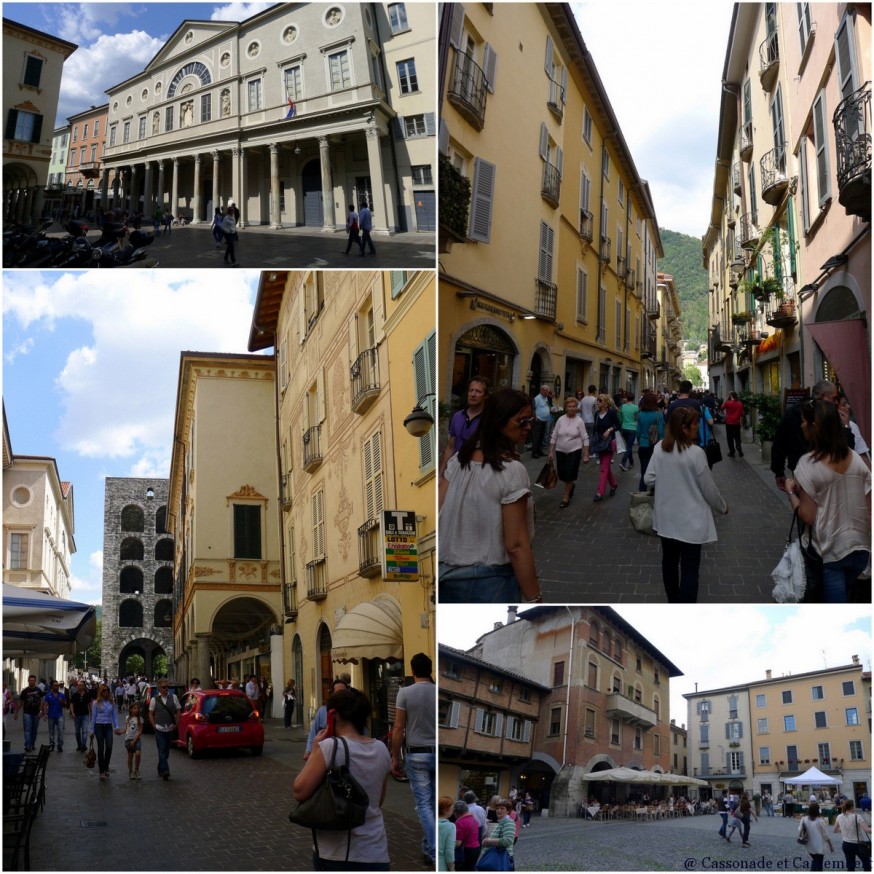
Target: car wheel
[
  {"x": 256, "y": 751},
  {"x": 189, "y": 745}
]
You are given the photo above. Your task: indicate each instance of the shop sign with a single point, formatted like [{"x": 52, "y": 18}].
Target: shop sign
[{"x": 400, "y": 558}]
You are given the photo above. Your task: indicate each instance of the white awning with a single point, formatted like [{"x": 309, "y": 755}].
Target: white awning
[
  {"x": 630, "y": 775},
  {"x": 370, "y": 630}
]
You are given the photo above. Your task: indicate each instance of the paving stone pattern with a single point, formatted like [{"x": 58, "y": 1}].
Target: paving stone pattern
[
  {"x": 227, "y": 811},
  {"x": 589, "y": 553}
]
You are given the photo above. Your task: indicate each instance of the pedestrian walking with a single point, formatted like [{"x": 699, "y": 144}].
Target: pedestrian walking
[
  {"x": 628, "y": 414},
  {"x": 414, "y": 727},
  {"x": 568, "y": 444},
  {"x": 9, "y": 705},
  {"x": 813, "y": 834},
  {"x": 855, "y": 831},
  {"x": 366, "y": 221},
  {"x": 289, "y": 702},
  {"x": 163, "y": 715},
  {"x": 587, "y": 407},
  {"x": 832, "y": 493},
  {"x": 54, "y": 704},
  {"x": 216, "y": 227},
  {"x": 320, "y": 720},
  {"x": 604, "y": 444},
  {"x": 132, "y": 740},
  {"x": 104, "y": 723},
  {"x": 486, "y": 514},
  {"x": 744, "y": 812},
  {"x": 352, "y": 229},
  {"x": 542, "y": 416},
  {"x": 30, "y": 708},
  {"x": 650, "y": 431},
  {"x": 734, "y": 411},
  {"x": 229, "y": 229},
  {"x": 365, "y": 847},
  {"x": 685, "y": 494},
  {"x": 723, "y": 812},
  {"x": 80, "y": 707},
  {"x": 465, "y": 421},
  {"x": 156, "y": 219},
  {"x": 466, "y": 838},
  {"x": 527, "y": 809},
  {"x": 859, "y": 445},
  {"x": 168, "y": 222},
  {"x": 445, "y": 835}
]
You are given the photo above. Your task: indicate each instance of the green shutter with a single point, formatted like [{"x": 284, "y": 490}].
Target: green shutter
[{"x": 247, "y": 531}]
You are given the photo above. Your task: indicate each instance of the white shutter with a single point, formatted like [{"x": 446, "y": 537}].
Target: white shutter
[
  {"x": 318, "y": 510},
  {"x": 509, "y": 732},
  {"x": 424, "y": 360},
  {"x": 400, "y": 129},
  {"x": 354, "y": 347},
  {"x": 456, "y": 25},
  {"x": 845, "y": 56},
  {"x": 320, "y": 400},
  {"x": 582, "y": 290},
  {"x": 378, "y": 312},
  {"x": 490, "y": 64},
  {"x": 526, "y": 731},
  {"x": 544, "y": 142},
  {"x": 481, "y": 200},
  {"x": 805, "y": 190},
  {"x": 547, "y": 61},
  {"x": 499, "y": 724},
  {"x": 453, "y": 714},
  {"x": 301, "y": 314},
  {"x": 547, "y": 235},
  {"x": 430, "y": 124},
  {"x": 821, "y": 146},
  {"x": 373, "y": 503},
  {"x": 559, "y": 161},
  {"x": 479, "y": 720}
]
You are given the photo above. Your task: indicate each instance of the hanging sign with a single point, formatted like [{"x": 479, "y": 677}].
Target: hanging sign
[{"x": 400, "y": 561}]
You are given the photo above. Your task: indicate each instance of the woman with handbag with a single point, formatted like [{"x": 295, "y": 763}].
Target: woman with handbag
[
  {"x": 604, "y": 443},
  {"x": 364, "y": 848},
  {"x": 486, "y": 512},
  {"x": 650, "y": 430},
  {"x": 855, "y": 837},
  {"x": 569, "y": 442},
  {"x": 813, "y": 834},
  {"x": 497, "y": 853},
  {"x": 685, "y": 496},
  {"x": 832, "y": 492}
]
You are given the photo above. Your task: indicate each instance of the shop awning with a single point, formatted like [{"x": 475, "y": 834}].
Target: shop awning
[
  {"x": 630, "y": 775},
  {"x": 370, "y": 630},
  {"x": 42, "y": 626}
]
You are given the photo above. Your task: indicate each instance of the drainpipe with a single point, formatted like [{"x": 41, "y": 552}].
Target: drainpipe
[{"x": 570, "y": 673}]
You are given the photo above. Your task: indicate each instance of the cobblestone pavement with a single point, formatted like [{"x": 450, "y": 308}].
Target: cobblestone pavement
[
  {"x": 686, "y": 844},
  {"x": 589, "y": 553},
  {"x": 227, "y": 811},
  {"x": 260, "y": 247}
]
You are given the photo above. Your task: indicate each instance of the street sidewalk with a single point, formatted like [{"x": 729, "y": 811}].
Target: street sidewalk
[{"x": 589, "y": 553}]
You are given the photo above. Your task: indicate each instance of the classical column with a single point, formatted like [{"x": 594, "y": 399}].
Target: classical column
[
  {"x": 174, "y": 190},
  {"x": 132, "y": 198},
  {"x": 200, "y": 664},
  {"x": 275, "y": 215},
  {"x": 195, "y": 201},
  {"x": 38, "y": 201},
  {"x": 161, "y": 201},
  {"x": 216, "y": 166},
  {"x": 328, "y": 220},
  {"x": 237, "y": 194},
  {"x": 116, "y": 185},
  {"x": 277, "y": 670},
  {"x": 104, "y": 190},
  {"x": 377, "y": 183},
  {"x": 148, "y": 192}
]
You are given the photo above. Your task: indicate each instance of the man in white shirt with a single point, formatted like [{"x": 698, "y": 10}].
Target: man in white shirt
[
  {"x": 542, "y": 417},
  {"x": 478, "y": 812},
  {"x": 587, "y": 409}
]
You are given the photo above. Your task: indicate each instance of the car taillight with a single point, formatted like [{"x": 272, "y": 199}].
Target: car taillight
[
  {"x": 199, "y": 717},
  {"x": 254, "y": 715}
]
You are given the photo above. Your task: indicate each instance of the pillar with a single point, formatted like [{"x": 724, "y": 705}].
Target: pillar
[
  {"x": 216, "y": 168},
  {"x": 328, "y": 219},
  {"x": 174, "y": 188},
  {"x": 238, "y": 161},
  {"x": 275, "y": 214},
  {"x": 277, "y": 671},
  {"x": 199, "y": 666},
  {"x": 148, "y": 192},
  {"x": 161, "y": 201},
  {"x": 116, "y": 186},
  {"x": 104, "y": 190},
  {"x": 377, "y": 183},
  {"x": 195, "y": 201},
  {"x": 132, "y": 197},
  {"x": 38, "y": 202}
]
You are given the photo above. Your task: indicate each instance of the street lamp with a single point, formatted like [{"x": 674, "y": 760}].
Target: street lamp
[{"x": 419, "y": 421}]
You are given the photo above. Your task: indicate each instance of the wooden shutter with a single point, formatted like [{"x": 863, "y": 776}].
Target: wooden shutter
[
  {"x": 481, "y": 200},
  {"x": 430, "y": 124},
  {"x": 820, "y": 145},
  {"x": 490, "y": 65},
  {"x": 454, "y": 712},
  {"x": 547, "y": 236},
  {"x": 373, "y": 502},
  {"x": 544, "y": 142},
  {"x": 443, "y": 138},
  {"x": 456, "y": 25},
  {"x": 424, "y": 369},
  {"x": 564, "y": 85},
  {"x": 547, "y": 61},
  {"x": 318, "y": 512},
  {"x": 845, "y": 56}
]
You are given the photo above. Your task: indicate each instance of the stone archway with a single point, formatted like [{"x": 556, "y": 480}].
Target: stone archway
[{"x": 145, "y": 647}]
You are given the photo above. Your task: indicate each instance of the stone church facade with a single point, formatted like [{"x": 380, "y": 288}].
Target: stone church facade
[{"x": 137, "y": 574}]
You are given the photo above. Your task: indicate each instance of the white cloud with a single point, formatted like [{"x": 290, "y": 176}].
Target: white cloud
[
  {"x": 22, "y": 348},
  {"x": 89, "y": 589},
  {"x": 238, "y": 11}
]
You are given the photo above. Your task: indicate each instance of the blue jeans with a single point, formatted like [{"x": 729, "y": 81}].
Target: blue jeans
[
  {"x": 838, "y": 576},
  {"x": 477, "y": 584},
  {"x": 724, "y": 815},
  {"x": 31, "y": 724},
  {"x": 103, "y": 734},
  {"x": 420, "y": 769},
  {"x": 628, "y": 455},
  {"x": 162, "y": 742},
  {"x": 81, "y": 731},
  {"x": 56, "y": 727}
]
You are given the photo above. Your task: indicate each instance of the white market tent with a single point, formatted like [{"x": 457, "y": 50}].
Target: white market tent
[{"x": 813, "y": 777}]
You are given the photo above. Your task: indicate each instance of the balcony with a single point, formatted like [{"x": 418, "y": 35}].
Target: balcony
[
  {"x": 285, "y": 491},
  {"x": 317, "y": 580},
  {"x": 586, "y": 225},
  {"x": 746, "y": 142},
  {"x": 604, "y": 251},
  {"x": 289, "y": 600},
  {"x": 369, "y": 552},
  {"x": 783, "y": 315},
  {"x": 545, "y": 296},
  {"x": 853, "y": 142},
  {"x": 620, "y": 266},
  {"x": 735, "y": 179},
  {"x": 769, "y": 61},
  {"x": 550, "y": 187},
  {"x": 748, "y": 237},
  {"x": 90, "y": 169},
  {"x": 365, "y": 380},
  {"x": 467, "y": 92},
  {"x": 748, "y": 337},
  {"x": 630, "y": 279},
  {"x": 312, "y": 448},
  {"x": 774, "y": 178},
  {"x": 653, "y": 310},
  {"x": 632, "y": 712},
  {"x": 731, "y": 221},
  {"x": 556, "y": 99}
]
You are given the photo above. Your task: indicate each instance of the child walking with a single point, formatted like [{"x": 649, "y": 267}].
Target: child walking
[{"x": 132, "y": 741}]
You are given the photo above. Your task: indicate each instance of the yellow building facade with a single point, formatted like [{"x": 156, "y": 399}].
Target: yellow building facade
[
  {"x": 354, "y": 355},
  {"x": 222, "y": 512},
  {"x": 549, "y": 276}
]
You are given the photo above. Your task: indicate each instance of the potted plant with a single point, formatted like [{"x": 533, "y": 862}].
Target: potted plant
[
  {"x": 742, "y": 318},
  {"x": 772, "y": 286},
  {"x": 768, "y": 414},
  {"x": 757, "y": 288}
]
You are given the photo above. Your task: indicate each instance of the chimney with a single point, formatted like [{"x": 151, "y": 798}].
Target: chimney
[
  {"x": 768, "y": 674},
  {"x": 511, "y": 614},
  {"x": 498, "y": 625},
  {"x": 673, "y": 722},
  {"x": 855, "y": 660}
]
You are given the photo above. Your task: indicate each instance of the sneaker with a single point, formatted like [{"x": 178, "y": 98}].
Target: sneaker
[
  {"x": 623, "y": 468},
  {"x": 130, "y": 775},
  {"x": 612, "y": 491},
  {"x": 137, "y": 775},
  {"x": 595, "y": 500},
  {"x": 60, "y": 749}
]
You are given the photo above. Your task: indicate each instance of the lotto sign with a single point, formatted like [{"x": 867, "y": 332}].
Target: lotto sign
[{"x": 400, "y": 555}]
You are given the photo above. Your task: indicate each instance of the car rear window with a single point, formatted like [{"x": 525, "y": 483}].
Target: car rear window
[{"x": 226, "y": 708}]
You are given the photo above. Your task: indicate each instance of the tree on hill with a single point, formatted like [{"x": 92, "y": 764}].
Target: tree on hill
[{"x": 683, "y": 261}]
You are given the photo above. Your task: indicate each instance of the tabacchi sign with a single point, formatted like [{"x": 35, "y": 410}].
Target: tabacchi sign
[{"x": 400, "y": 557}]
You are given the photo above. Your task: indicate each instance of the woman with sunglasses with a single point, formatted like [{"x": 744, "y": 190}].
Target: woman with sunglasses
[
  {"x": 606, "y": 425},
  {"x": 104, "y": 720},
  {"x": 486, "y": 512},
  {"x": 832, "y": 493}
]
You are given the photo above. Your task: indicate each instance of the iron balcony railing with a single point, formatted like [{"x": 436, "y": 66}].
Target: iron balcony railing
[
  {"x": 289, "y": 599},
  {"x": 606, "y": 243},
  {"x": 545, "y": 296},
  {"x": 550, "y": 187},
  {"x": 773, "y": 173},
  {"x": 369, "y": 558},
  {"x": 769, "y": 60},
  {"x": 746, "y": 141},
  {"x": 317, "y": 580},
  {"x": 852, "y": 122},
  {"x": 312, "y": 446},
  {"x": 586, "y": 225},
  {"x": 468, "y": 90},
  {"x": 735, "y": 178},
  {"x": 748, "y": 234},
  {"x": 556, "y": 98},
  {"x": 365, "y": 377},
  {"x": 285, "y": 490}
]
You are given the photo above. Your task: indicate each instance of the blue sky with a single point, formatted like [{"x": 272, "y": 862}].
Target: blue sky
[
  {"x": 115, "y": 40},
  {"x": 90, "y": 369},
  {"x": 715, "y": 645}
]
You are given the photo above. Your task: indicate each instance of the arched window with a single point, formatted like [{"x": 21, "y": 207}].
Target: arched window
[
  {"x": 195, "y": 68},
  {"x": 164, "y": 549},
  {"x": 164, "y": 581},
  {"x": 161, "y": 521},
  {"x": 130, "y": 580},
  {"x": 131, "y": 518},
  {"x": 163, "y": 613},
  {"x": 131, "y": 549},
  {"x": 130, "y": 614}
]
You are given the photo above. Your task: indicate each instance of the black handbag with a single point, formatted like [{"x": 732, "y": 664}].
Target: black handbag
[
  {"x": 600, "y": 444},
  {"x": 713, "y": 451},
  {"x": 814, "y": 591}
]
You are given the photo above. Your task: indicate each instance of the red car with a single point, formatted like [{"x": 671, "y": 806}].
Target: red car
[{"x": 219, "y": 719}]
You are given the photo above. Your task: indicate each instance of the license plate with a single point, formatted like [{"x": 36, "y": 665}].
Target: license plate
[{"x": 227, "y": 729}]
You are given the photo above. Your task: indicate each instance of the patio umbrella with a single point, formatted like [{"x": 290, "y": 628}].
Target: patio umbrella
[{"x": 42, "y": 625}]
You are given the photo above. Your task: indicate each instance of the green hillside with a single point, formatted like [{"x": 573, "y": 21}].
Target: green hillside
[{"x": 683, "y": 261}]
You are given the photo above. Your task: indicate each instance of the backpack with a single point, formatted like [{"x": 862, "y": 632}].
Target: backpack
[
  {"x": 353, "y": 225},
  {"x": 653, "y": 433}
]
